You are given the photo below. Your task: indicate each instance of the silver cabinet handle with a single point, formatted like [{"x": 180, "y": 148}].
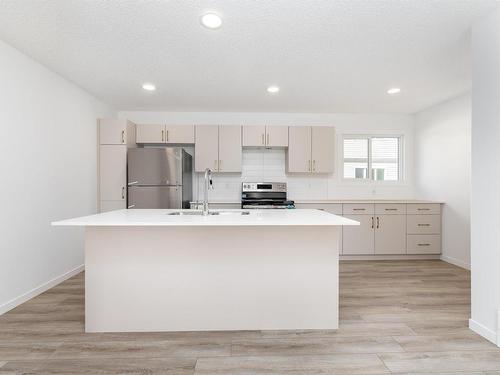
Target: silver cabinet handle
[
  {"x": 378, "y": 222},
  {"x": 123, "y": 192},
  {"x": 220, "y": 165},
  {"x": 309, "y": 165},
  {"x": 423, "y": 225},
  {"x": 123, "y": 136},
  {"x": 424, "y": 244},
  {"x": 263, "y": 142},
  {"x": 423, "y": 209},
  {"x": 358, "y": 209},
  {"x": 131, "y": 206},
  {"x": 372, "y": 222},
  {"x": 133, "y": 183},
  {"x": 391, "y": 209},
  {"x": 163, "y": 135},
  {"x": 167, "y": 135}
]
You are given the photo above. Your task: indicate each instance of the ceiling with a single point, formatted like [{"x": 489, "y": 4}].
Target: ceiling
[{"x": 325, "y": 55}]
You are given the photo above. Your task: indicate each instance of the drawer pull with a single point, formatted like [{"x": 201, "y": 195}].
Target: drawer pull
[
  {"x": 424, "y": 244},
  {"x": 423, "y": 209},
  {"x": 391, "y": 209},
  {"x": 424, "y": 225},
  {"x": 359, "y": 209}
]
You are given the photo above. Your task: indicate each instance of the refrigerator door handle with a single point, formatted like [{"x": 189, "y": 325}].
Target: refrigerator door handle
[
  {"x": 133, "y": 183},
  {"x": 131, "y": 206}
]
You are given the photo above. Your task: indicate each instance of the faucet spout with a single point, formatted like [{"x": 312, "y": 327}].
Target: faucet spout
[{"x": 208, "y": 185}]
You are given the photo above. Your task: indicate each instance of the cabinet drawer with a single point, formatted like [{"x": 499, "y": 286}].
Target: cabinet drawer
[
  {"x": 358, "y": 209},
  {"x": 390, "y": 209},
  {"x": 423, "y": 209},
  {"x": 333, "y": 208},
  {"x": 423, "y": 244},
  {"x": 423, "y": 224}
]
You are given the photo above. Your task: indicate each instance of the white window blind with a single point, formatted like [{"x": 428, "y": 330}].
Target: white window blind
[{"x": 372, "y": 157}]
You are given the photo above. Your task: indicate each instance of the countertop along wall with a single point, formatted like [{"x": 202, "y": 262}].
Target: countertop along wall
[
  {"x": 48, "y": 164},
  {"x": 442, "y": 171},
  {"x": 269, "y": 165}
]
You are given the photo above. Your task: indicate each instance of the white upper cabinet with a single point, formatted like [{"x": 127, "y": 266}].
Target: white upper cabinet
[
  {"x": 310, "y": 149},
  {"x": 113, "y": 132},
  {"x": 299, "y": 149},
  {"x": 230, "y": 148},
  {"x": 254, "y": 136},
  {"x": 322, "y": 144},
  {"x": 179, "y": 134},
  {"x": 265, "y": 136},
  {"x": 151, "y": 133},
  {"x": 168, "y": 134},
  {"x": 277, "y": 136},
  {"x": 218, "y": 148},
  {"x": 206, "y": 148}
]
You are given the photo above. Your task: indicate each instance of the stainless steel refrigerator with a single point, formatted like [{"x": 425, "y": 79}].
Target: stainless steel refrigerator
[{"x": 159, "y": 178}]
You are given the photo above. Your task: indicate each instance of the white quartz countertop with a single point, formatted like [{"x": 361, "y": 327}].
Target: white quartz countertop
[
  {"x": 158, "y": 217},
  {"x": 349, "y": 201}
]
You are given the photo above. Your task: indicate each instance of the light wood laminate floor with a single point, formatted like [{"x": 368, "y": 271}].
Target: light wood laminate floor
[{"x": 402, "y": 317}]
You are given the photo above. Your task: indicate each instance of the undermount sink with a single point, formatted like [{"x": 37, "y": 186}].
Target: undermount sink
[{"x": 211, "y": 213}]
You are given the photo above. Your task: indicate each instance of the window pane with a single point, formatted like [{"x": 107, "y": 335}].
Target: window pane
[
  {"x": 356, "y": 148},
  {"x": 385, "y": 159},
  {"x": 356, "y": 158}
]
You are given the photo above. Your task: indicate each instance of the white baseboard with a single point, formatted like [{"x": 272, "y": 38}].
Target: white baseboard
[
  {"x": 455, "y": 261},
  {"x": 389, "y": 257},
  {"x": 481, "y": 330},
  {"x": 9, "y": 305}
]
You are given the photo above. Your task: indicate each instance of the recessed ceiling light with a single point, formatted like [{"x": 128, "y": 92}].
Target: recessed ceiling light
[
  {"x": 394, "y": 90},
  {"x": 273, "y": 89},
  {"x": 211, "y": 20},
  {"x": 149, "y": 87}
]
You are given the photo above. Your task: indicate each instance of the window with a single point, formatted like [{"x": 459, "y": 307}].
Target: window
[{"x": 372, "y": 158}]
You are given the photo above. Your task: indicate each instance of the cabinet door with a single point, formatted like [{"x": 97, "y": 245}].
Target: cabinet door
[
  {"x": 359, "y": 239},
  {"x": 390, "y": 234},
  {"x": 277, "y": 136},
  {"x": 322, "y": 145},
  {"x": 113, "y": 172},
  {"x": 112, "y": 132},
  {"x": 150, "y": 133},
  {"x": 254, "y": 136},
  {"x": 299, "y": 149},
  {"x": 206, "y": 148},
  {"x": 112, "y": 205},
  {"x": 179, "y": 134},
  {"x": 230, "y": 148}
]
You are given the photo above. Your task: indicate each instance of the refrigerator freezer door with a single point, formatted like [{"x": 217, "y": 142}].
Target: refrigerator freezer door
[
  {"x": 155, "y": 197},
  {"x": 155, "y": 166}
]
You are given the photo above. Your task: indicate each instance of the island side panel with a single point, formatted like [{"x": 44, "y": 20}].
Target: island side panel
[{"x": 211, "y": 278}]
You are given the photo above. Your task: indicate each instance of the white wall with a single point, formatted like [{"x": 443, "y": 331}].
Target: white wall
[
  {"x": 485, "y": 192},
  {"x": 48, "y": 172},
  {"x": 270, "y": 164},
  {"x": 442, "y": 171}
]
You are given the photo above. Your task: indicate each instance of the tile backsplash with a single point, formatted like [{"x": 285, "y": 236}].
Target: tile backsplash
[{"x": 264, "y": 165}]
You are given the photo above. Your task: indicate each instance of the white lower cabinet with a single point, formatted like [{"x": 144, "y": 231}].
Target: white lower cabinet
[
  {"x": 359, "y": 239},
  {"x": 390, "y": 234},
  {"x": 386, "y": 228}
]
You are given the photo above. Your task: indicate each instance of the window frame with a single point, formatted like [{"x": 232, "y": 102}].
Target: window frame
[{"x": 370, "y": 179}]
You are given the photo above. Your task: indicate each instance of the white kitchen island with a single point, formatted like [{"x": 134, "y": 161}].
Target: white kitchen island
[{"x": 147, "y": 270}]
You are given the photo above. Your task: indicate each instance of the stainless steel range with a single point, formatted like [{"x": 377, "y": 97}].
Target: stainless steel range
[{"x": 264, "y": 195}]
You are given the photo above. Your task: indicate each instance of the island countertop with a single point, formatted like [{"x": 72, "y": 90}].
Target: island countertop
[{"x": 161, "y": 217}]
